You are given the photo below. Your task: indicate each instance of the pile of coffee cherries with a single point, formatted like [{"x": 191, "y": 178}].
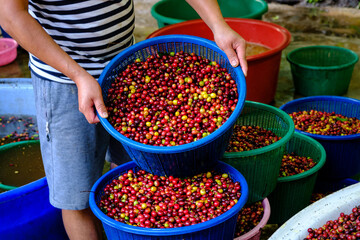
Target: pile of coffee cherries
[
  {"x": 293, "y": 164},
  {"x": 171, "y": 99},
  {"x": 324, "y": 123},
  {"x": 318, "y": 195},
  {"x": 245, "y": 138},
  {"x": 347, "y": 226},
  {"x": 146, "y": 200},
  {"x": 16, "y": 129},
  {"x": 249, "y": 217}
]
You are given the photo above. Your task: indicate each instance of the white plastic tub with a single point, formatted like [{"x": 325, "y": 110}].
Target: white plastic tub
[{"x": 318, "y": 213}]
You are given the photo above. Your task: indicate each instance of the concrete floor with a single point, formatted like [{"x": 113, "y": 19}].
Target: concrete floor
[{"x": 308, "y": 26}]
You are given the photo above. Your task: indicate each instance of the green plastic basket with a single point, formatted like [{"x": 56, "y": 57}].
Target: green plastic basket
[
  {"x": 293, "y": 193},
  {"x": 168, "y": 12},
  {"x": 12, "y": 148},
  {"x": 261, "y": 166},
  {"x": 322, "y": 70}
]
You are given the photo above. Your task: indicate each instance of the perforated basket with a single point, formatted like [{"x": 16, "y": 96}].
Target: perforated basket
[
  {"x": 261, "y": 166},
  {"x": 342, "y": 152},
  {"x": 322, "y": 70},
  {"x": 293, "y": 193},
  {"x": 183, "y": 160},
  {"x": 221, "y": 227}
]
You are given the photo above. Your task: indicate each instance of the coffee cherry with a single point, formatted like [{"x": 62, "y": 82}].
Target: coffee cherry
[
  {"x": 146, "y": 200},
  {"x": 17, "y": 129},
  {"x": 346, "y": 226},
  {"x": 171, "y": 99},
  {"x": 324, "y": 123},
  {"x": 293, "y": 164},
  {"x": 248, "y": 218},
  {"x": 245, "y": 138}
]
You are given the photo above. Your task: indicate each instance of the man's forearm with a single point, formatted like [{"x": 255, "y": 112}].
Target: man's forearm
[
  {"x": 209, "y": 11},
  {"x": 16, "y": 20}
]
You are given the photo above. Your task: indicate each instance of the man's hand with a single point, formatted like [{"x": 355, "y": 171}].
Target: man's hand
[
  {"x": 234, "y": 47},
  {"x": 90, "y": 98},
  {"x": 225, "y": 37}
]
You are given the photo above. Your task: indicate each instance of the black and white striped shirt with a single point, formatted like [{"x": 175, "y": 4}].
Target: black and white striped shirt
[{"x": 92, "y": 32}]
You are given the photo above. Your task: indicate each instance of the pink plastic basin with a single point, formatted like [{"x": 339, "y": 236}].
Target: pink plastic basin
[
  {"x": 262, "y": 77},
  {"x": 255, "y": 233},
  {"x": 8, "y": 50}
]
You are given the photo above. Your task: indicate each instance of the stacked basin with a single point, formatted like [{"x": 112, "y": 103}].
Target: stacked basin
[
  {"x": 342, "y": 152},
  {"x": 179, "y": 161}
]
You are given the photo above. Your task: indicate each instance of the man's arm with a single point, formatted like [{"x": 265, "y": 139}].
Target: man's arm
[
  {"x": 21, "y": 26},
  {"x": 227, "y": 39}
]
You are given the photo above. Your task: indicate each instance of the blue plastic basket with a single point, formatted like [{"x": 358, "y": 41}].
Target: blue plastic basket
[
  {"x": 342, "y": 152},
  {"x": 221, "y": 227},
  {"x": 183, "y": 160}
]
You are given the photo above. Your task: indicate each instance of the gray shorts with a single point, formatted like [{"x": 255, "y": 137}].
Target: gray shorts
[{"x": 73, "y": 151}]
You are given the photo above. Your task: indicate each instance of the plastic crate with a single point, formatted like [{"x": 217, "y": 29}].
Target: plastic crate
[
  {"x": 293, "y": 193},
  {"x": 263, "y": 68},
  {"x": 261, "y": 166},
  {"x": 342, "y": 152},
  {"x": 168, "y": 12},
  {"x": 221, "y": 227},
  {"x": 183, "y": 160},
  {"x": 322, "y": 70}
]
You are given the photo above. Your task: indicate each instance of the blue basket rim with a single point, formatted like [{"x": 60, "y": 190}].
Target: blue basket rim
[
  {"x": 170, "y": 231},
  {"x": 241, "y": 83},
  {"x": 323, "y": 98},
  {"x": 355, "y": 60},
  {"x": 270, "y": 147}
]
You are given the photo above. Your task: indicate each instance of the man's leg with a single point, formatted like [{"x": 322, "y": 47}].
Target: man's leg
[
  {"x": 73, "y": 153},
  {"x": 82, "y": 224}
]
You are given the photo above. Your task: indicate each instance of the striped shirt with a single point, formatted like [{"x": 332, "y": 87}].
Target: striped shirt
[{"x": 92, "y": 32}]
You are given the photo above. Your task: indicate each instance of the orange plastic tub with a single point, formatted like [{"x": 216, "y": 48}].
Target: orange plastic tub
[{"x": 262, "y": 77}]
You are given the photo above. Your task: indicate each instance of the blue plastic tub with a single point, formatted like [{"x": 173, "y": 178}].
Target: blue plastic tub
[
  {"x": 222, "y": 227},
  {"x": 183, "y": 160},
  {"x": 343, "y": 152},
  {"x": 27, "y": 214},
  {"x": 333, "y": 186}
]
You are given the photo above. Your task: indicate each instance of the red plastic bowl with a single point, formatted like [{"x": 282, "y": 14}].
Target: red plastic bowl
[
  {"x": 262, "y": 77},
  {"x": 8, "y": 50}
]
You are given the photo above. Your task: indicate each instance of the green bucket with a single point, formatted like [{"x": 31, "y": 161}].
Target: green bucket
[
  {"x": 168, "y": 12},
  {"x": 261, "y": 166},
  {"x": 10, "y": 149},
  {"x": 293, "y": 193},
  {"x": 322, "y": 70}
]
